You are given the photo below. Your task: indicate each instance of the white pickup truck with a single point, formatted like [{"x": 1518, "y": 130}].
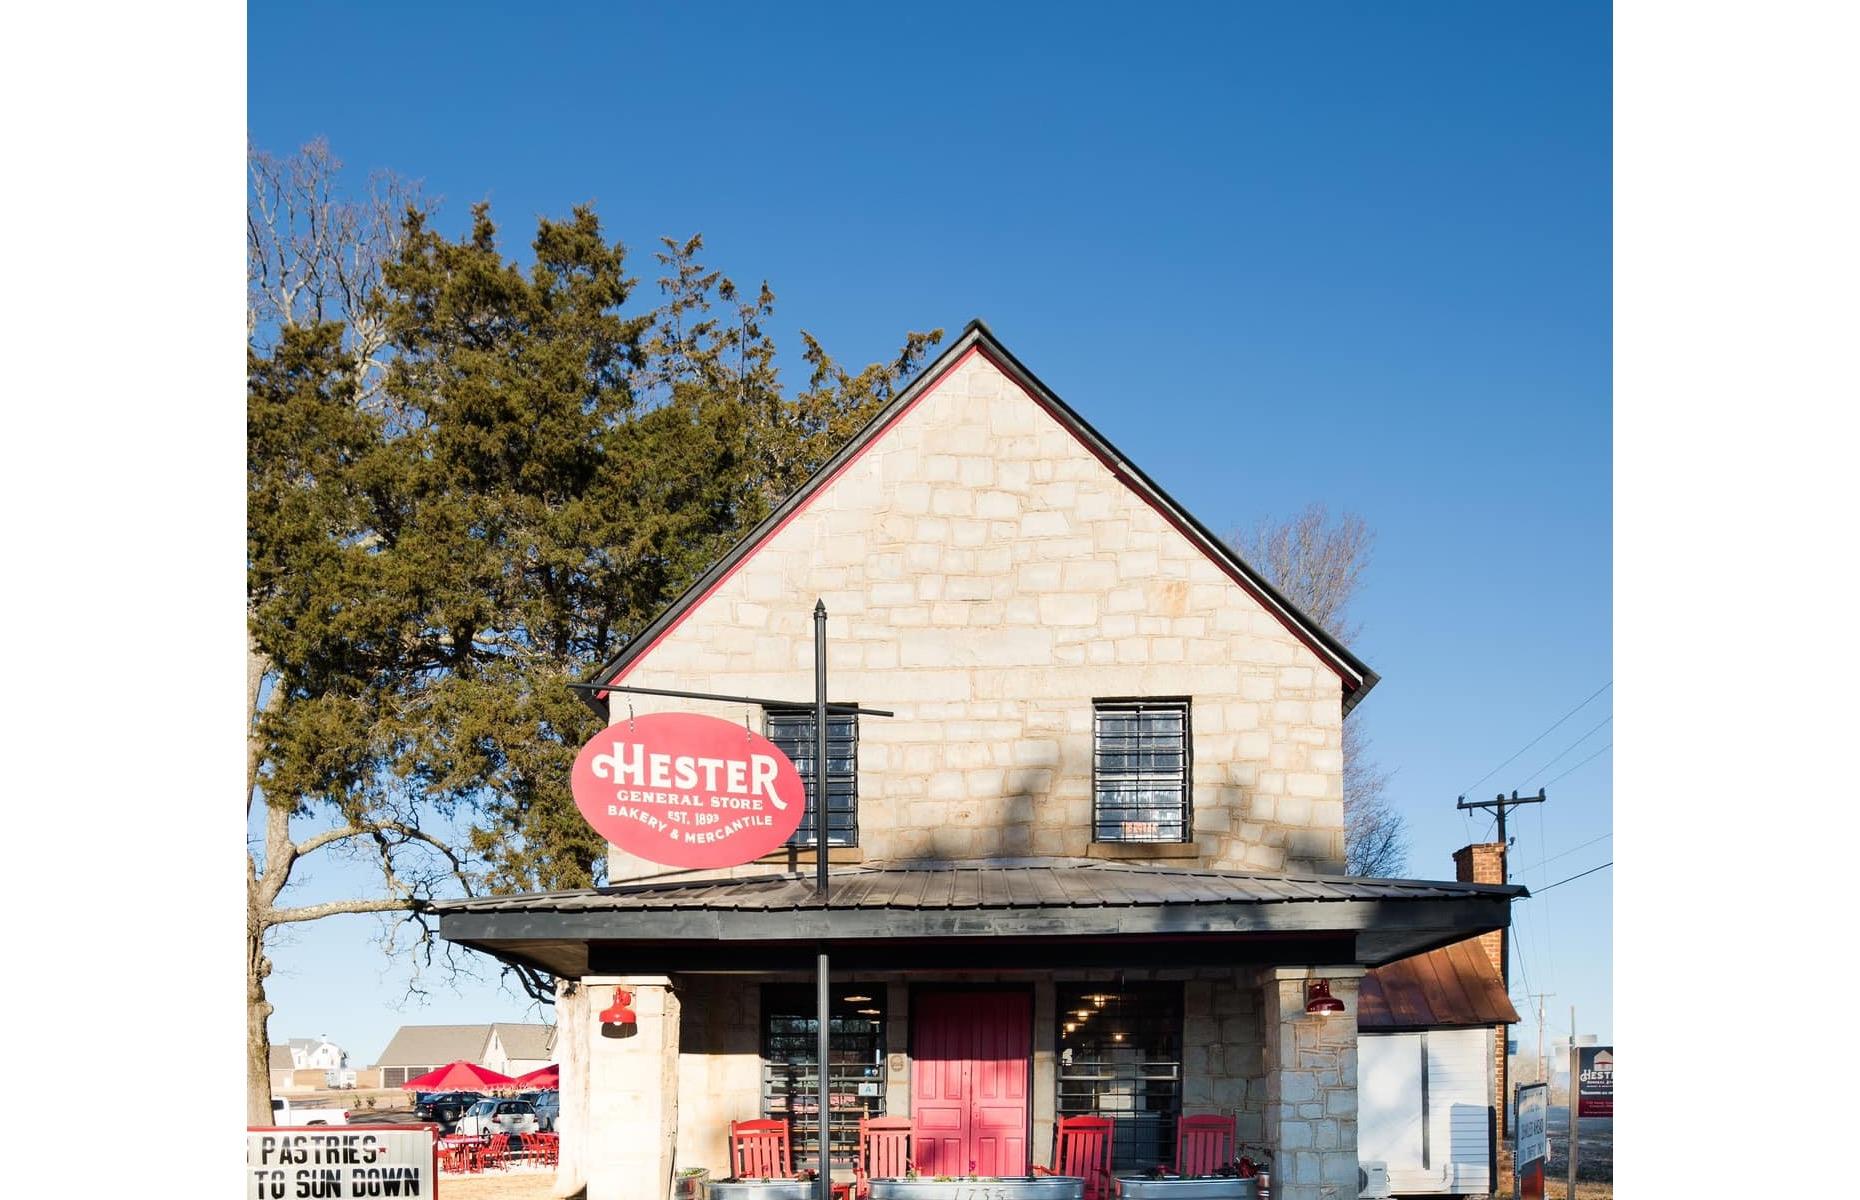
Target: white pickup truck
[{"x": 283, "y": 1112}]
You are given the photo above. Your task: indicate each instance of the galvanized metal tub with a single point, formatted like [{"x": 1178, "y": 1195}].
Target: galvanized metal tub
[
  {"x": 748, "y": 1189},
  {"x": 1139, "y": 1187},
  {"x": 1023, "y": 1187}
]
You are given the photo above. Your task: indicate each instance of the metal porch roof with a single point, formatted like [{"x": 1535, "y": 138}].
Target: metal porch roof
[
  {"x": 1049, "y": 902},
  {"x": 997, "y": 883}
]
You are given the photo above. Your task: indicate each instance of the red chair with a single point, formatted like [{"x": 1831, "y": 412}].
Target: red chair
[
  {"x": 1204, "y": 1144},
  {"x": 884, "y": 1151},
  {"x": 1082, "y": 1150},
  {"x": 759, "y": 1150}
]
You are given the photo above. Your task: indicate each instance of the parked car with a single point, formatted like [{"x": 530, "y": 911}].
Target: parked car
[
  {"x": 498, "y": 1116},
  {"x": 548, "y": 1105},
  {"x": 444, "y": 1108},
  {"x": 283, "y": 1112}
]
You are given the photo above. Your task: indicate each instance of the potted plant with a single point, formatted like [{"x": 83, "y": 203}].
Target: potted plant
[{"x": 689, "y": 1183}]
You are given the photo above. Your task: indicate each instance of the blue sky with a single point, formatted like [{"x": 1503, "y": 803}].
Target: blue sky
[{"x": 1349, "y": 253}]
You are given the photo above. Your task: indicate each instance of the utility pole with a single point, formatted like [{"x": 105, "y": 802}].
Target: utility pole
[
  {"x": 1503, "y": 1065},
  {"x": 1575, "y": 1089},
  {"x": 1502, "y": 803},
  {"x": 1543, "y": 1062}
]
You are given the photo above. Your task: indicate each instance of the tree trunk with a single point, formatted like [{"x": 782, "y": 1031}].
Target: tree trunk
[
  {"x": 257, "y": 1036},
  {"x": 571, "y": 1041}
]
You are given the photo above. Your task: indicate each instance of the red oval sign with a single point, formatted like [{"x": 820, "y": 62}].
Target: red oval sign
[{"x": 688, "y": 790}]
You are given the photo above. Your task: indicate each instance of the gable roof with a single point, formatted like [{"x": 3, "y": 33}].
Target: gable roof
[
  {"x": 525, "y": 1041},
  {"x": 435, "y": 1045},
  {"x": 1453, "y": 987},
  {"x": 310, "y": 1045},
  {"x": 280, "y": 1058},
  {"x": 977, "y": 338}
]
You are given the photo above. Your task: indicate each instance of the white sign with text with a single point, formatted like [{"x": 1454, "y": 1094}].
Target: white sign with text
[
  {"x": 1533, "y": 1124},
  {"x": 340, "y": 1162}
]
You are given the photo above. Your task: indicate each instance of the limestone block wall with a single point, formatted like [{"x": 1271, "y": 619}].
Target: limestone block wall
[
  {"x": 719, "y": 1066},
  {"x": 1224, "y": 1069},
  {"x": 987, "y": 578},
  {"x": 1310, "y": 1085},
  {"x": 634, "y": 1093}
]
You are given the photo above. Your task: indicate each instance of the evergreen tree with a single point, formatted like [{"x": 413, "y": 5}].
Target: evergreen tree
[{"x": 456, "y": 515}]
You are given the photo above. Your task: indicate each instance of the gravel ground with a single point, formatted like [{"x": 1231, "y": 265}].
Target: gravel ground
[{"x": 511, "y": 1186}]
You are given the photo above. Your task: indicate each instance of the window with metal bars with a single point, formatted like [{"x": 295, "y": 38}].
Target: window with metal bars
[
  {"x": 793, "y": 731},
  {"x": 1140, "y": 771},
  {"x": 855, "y": 1079},
  {"x": 1120, "y": 1056}
]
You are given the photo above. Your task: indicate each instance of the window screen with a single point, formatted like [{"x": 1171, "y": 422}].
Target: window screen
[
  {"x": 1120, "y": 1056},
  {"x": 790, "y": 1048},
  {"x": 793, "y": 731},
  {"x": 1140, "y": 771}
]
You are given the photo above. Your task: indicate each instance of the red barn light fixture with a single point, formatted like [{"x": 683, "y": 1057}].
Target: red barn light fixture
[
  {"x": 1318, "y": 999},
  {"x": 620, "y": 1012}
]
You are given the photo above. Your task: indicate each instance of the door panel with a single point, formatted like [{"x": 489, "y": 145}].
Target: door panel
[{"x": 970, "y": 1072}]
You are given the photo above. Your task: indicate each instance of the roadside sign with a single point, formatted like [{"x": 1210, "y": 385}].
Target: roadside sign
[
  {"x": 1532, "y": 1148},
  {"x": 688, "y": 790},
  {"x": 339, "y": 1162},
  {"x": 1595, "y": 1081}
]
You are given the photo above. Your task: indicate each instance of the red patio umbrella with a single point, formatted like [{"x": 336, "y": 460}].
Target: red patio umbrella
[
  {"x": 541, "y": 1077},
  {"x": 460, "y": 1076}
]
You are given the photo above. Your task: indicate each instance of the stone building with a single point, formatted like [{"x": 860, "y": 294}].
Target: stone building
[{"x": 1091, "y": 864}]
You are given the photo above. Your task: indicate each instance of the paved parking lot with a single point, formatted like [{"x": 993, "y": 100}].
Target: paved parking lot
[{"x": 1595, "y": 1161}]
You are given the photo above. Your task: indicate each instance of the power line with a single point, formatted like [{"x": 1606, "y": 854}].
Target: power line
[
  {"x": 1585, "y": 762},
  {"x": 1549, "y": 919},
  {"x": 1566, "y": 853},
  {"x": 1540, "y": 737},
  {"x": 1571, "y": 746},
  {"x": 1559, "y": 883}
]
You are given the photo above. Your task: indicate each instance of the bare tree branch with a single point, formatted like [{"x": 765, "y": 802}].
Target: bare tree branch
[
  {"x": 1319, "y": 565},
  {"x": 312, "y": 912},
  {"x": 313, "y": 255}
]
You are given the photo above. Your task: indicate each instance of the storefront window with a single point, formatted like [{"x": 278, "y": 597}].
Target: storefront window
[
  {"x": 793, "y": 731},
  {"x": 790, "y": 1048},
  {"x": 1140, "y": 771},
  {"x": 1120, "y": 1056}
]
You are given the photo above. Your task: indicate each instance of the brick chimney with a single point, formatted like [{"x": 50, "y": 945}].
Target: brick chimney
[{"x": 1484, "y": 862}]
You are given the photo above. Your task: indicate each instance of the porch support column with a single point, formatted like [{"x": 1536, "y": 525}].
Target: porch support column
[
  {"x": 1310, "y": 1065},
  {"x": 632, "y": 1092}
]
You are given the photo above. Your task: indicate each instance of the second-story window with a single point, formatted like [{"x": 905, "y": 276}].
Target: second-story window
[
  {"x": 1140, "y": 771},
  {"x": 792, "y": 729}
]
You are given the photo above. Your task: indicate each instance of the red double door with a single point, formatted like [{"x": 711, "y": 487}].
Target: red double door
[{"x": 971, "y": 1067}]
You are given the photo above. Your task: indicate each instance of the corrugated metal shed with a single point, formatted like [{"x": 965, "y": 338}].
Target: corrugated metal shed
[{"x": 1454, "y": 986}]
